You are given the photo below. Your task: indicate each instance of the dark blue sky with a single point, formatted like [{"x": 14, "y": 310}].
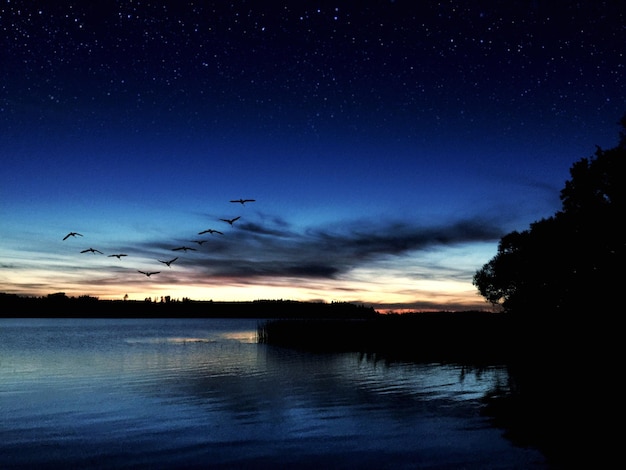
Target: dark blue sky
[{"x": 388, "y": 145}]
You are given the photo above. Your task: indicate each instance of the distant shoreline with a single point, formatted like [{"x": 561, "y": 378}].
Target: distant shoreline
[{"x": 60, "y": 306}]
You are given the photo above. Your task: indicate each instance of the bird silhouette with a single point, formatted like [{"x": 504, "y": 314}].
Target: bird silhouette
[
  {"x": 231, "y": 221},
  {"x": 71, "y": 234},
  {"x": 148, "y": 273},
  {"x": 243, "y": 201},
  {"x": 92, "y": 250},
  {"x": 199, "y": 242},
  {"x": 168, "y": 262},
  {"x": 184, "y": 248},
  {"x": 118, "y": 256},
  {"x": 211, "y": 231}
]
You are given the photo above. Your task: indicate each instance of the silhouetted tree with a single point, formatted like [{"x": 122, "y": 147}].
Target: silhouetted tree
[{"x": 572, "y": 260}]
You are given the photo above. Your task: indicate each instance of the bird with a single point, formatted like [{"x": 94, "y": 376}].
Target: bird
[
  {"x": 118, "y": 256},
  {"x": 92, "y": 250},
  {"x": 243, "y": 201},
  {"x": 231, "y": 221},
  {"x": 211, "y": 231},
  {"x": 71, "y": 234},
  {"x": 168, "y": 262},
  {"x": 148, "y": 273},
  {"x": 199, "y": 242},
  {"x": 184, "y": 248}
]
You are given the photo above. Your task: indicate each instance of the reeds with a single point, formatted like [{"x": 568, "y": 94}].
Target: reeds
[{"x": 439, "y": 337}]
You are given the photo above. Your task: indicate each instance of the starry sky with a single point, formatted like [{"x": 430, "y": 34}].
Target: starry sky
[{"x": 388, "y": 145}]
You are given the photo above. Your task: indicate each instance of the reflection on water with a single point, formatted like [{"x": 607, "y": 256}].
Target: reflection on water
[{"x": 169, "y": 393}]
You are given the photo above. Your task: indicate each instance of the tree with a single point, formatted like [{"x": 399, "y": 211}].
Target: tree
[{"x": 572, "y": 260}]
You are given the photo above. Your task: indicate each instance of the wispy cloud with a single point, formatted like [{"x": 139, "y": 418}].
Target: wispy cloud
[{"x": 275, "y": 249}]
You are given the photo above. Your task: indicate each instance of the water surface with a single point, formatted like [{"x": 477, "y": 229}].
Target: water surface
[{"x": 168, "y": 393}]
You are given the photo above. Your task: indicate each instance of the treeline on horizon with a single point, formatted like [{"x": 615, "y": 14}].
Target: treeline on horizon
[{"x": 61, "y": 306}]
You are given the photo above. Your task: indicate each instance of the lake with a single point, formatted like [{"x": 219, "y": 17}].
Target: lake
[{"x": 201, "y": 393}]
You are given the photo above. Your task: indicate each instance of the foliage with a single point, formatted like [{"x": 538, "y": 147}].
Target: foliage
[{"x": 572, "y": 260}]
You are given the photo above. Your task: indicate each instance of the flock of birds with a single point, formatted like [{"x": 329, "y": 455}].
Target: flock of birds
[{"x": 168, "y": 263}]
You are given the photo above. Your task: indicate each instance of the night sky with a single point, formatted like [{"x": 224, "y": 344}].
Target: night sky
[{"x": 388, "y": 145}]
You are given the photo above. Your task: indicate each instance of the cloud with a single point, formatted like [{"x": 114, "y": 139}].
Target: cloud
[{"x": 274, "y": 249}]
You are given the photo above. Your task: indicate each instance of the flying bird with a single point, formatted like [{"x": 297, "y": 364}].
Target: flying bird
[
  {"x": 231, "y": 221},
  {"x": 168, "y": 262},
  {"x": 118, "y": 256},
  {"x": 211, "y": 231},
  {"x": 71, "y": 234},
  {"x": 243, "y": 201},
  {"x": 148, "y": 273},
  {"x": 92, "y": 250},
  {"x": 184, "y": 248},
  {"x": 199, "y": 242}
]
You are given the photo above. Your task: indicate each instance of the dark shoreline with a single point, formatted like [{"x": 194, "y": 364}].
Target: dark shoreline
[{"x": 60, "y": 306}]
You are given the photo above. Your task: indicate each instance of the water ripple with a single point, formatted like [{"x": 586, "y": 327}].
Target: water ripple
[{"x": 165, "y": 394}]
